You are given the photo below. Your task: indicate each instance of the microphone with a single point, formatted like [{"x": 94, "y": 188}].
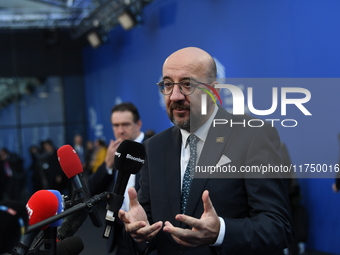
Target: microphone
[
  {"x": 72, "y": 167},
  {"x": 47, "y": 241},
  {"x": 43, "y": 204},
  {"x": 70, "y": 246},
  {"x": 61, "y": 207},
  {"x": 13, "y": 222},
  {"x": 71, "y": 224},
  {"x": 129, "y": 159},
  {"x": 88, "y": 204}
]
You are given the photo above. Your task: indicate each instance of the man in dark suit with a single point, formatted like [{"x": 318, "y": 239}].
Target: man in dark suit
[
  {"x": 126, "y": 124},
  {"x": 226, "y": 213}
]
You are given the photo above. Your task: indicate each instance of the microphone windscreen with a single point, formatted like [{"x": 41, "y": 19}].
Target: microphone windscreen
[
  {"x": 72, "y": 223},
  {"x": 43, "y": 204},
  {"x": 69, "y": 161},
  {"x": 129, "y": 157},
  {"x": 70, "y": 246},
  {"x": 60, "y": 207},
  {"x": 13, "y": 222}
]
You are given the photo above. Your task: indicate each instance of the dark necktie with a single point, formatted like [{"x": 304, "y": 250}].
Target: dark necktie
[{"x": 189, "y": 171}]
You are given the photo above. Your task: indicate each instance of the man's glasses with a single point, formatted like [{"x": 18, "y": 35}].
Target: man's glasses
[{"x": 186, "y": 87}]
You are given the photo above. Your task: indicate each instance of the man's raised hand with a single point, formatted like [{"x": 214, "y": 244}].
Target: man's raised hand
[
  {"x": 136, "y": 222},
  {"x": 204, "y": 231}
]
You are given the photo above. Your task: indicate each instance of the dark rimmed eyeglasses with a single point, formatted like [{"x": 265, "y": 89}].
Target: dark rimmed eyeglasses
[{"x": 186, "y": 87}]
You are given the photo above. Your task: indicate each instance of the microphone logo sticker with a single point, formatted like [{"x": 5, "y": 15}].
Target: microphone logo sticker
[
  {"x": 29, "y": 211},
  {"x": 117, "y": 154},
  {"x": 128, "y": 156}
]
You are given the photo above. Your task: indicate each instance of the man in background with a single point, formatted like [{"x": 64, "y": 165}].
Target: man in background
[{"x": 126, "y": 124}]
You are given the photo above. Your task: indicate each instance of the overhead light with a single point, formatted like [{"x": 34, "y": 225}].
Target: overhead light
[
  {"x": 127, "y": 19},
  {"x": 96, "y": 38}
]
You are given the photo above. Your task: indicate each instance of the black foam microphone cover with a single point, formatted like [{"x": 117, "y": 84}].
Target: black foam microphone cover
[
  {"x": 129, "y": 159},
  {"x": 70, "y": 246},
  {"x": 71, "y": 224}
]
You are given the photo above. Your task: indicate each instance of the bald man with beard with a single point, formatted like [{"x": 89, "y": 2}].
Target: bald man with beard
[{"x": 241, "y": 215}]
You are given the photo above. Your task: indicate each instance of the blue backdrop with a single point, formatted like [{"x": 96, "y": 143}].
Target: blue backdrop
[{"x": 249, "y": 39}]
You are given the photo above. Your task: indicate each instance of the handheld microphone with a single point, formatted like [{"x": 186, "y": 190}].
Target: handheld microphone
[
  {"x": 43, "y": 204},
  {"x": 70, "y": 246},
  {"x": 13, "y": 222},
  {"x": 72, "y": 167},
  {"x": 129, "y": 159}
]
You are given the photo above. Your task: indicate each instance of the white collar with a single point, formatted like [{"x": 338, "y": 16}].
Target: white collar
[
  {"x": 201, "y": 132},
  {"x": 139, "y": 138}
]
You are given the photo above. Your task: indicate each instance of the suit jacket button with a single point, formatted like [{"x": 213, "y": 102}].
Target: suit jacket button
[{"x": 181, "y": 249}]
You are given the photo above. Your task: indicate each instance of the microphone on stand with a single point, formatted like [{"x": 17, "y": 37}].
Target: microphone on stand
[
  {"x": 48, "y": 234},
  {"x": 129, "y": 159},
  {"x": 72, "y": 167},
  {"x": 42, "y": 204},
  {"x": 47, "y": 241}
]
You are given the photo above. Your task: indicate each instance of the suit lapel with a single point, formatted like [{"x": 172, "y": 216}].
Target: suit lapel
[
  {"x": 172, "y": 171},
  {"x": 210, "y": 155}
]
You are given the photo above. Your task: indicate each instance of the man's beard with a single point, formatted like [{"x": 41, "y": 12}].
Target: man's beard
[
  {"x": 193, "y": 120},
  {"x": 180, "y": 123}
]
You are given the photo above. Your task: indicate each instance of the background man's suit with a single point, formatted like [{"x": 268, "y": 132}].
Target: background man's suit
[{"x": 256, "y": 211}]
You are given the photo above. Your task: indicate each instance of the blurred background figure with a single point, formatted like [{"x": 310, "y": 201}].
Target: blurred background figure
[
  {"x": 99, "y": 154},
  {"x": 56, "y": 179},
  {"x": 89, "y": 154},
  {"x": 78, "y": 146},
  {"x": 13, "y": 223},
  {"x": 12, "y": 175},
  {"x": 36, "y": 180},
  {"x": 3, "y": 177}
]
